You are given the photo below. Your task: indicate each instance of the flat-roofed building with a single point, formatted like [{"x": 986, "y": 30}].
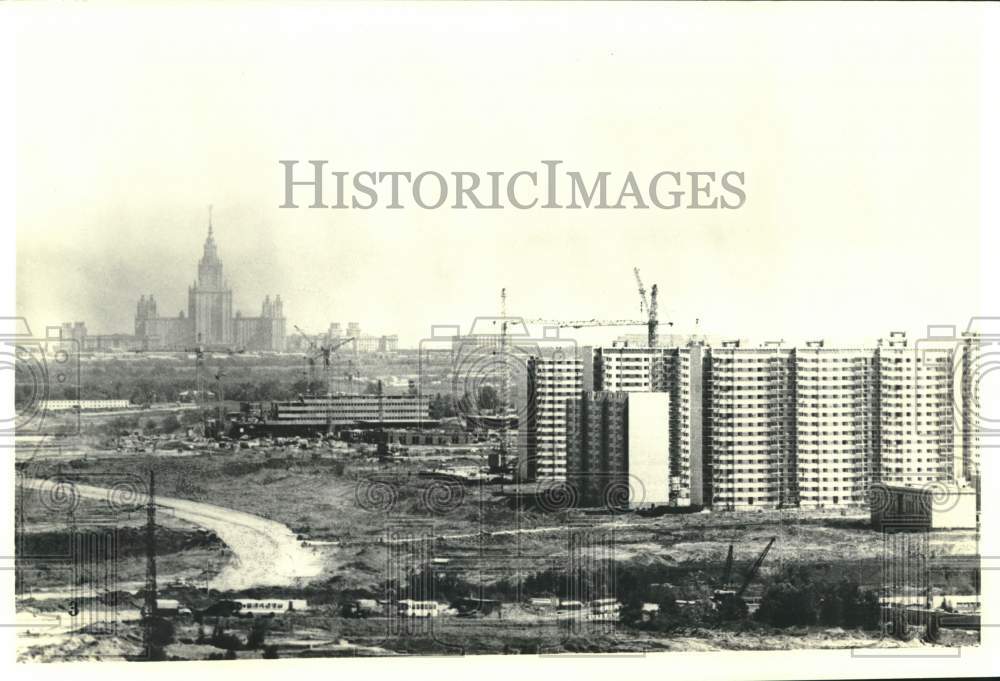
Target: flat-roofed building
[
  {"x": 552, "y": 381},
  {"x": 916, "y": 414},
  {"x": 937, "y": 506},
  {"x": 341, "y": 410},
  {"x": 83, "y": 405},
  {"x": 835, "y": 425},
  {"x": 681, "y": 373},
  {"x": 753, "y": 427}
]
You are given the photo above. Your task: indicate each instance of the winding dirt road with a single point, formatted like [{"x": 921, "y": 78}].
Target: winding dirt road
[{"x": 265, "y": 553}]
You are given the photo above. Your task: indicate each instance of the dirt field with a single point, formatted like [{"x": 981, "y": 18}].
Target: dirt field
[
  {"x": 367, "y": 523},
  {"x": 353, "y": 509}
]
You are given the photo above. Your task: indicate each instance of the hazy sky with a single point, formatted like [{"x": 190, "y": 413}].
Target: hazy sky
[{"x": 861, "y": 149}]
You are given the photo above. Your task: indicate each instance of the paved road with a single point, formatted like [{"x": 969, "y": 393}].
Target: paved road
[{"x": 265, "y": 553}]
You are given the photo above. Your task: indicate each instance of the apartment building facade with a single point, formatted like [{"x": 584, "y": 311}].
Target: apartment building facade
[
  {"x": 916, "y": 415},
  {"x": 835, "y": 425},
  {"x": 814, "y": 426},
  {"x": 343, "y": 410},
  {"x": 752, "y": 403},
  {"x": 681, "y": 372},
  {"x": 551, "y": 383}
]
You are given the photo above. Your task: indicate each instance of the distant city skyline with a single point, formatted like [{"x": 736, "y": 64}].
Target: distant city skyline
[{"x": 169, "y": 296}]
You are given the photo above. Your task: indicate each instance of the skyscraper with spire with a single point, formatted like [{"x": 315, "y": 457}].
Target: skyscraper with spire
[
  {"x": 210, "y": 320},
  {"x": 210, "y": 300}
]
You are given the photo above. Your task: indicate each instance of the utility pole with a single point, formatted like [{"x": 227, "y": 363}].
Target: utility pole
[
  {"x": 221, "y": 388},
  {"x": 149, "y": 610},
  {"x": 382, "y": 448}
]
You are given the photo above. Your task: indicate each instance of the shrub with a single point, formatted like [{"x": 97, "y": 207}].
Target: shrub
[
  {"x": 170, "y": 424},
  {"x": 785, "y": 604},
  {"x": 258, "y": 633}
]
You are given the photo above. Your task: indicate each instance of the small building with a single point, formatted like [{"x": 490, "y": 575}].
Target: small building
[
  {"x": 474, "y": 605},
  {"x": 605, "y": 609},
  {"x": 168, "y": 607},
  {"x": 248, "y": 607},
  {"x": 365, "y": 607},
  {"x": 83, "y": 405},
  {"x": 571, "y": 606},
  {"x": 436, "y": 437},
  {"x": 411, "y": 608},
  {"x": 939, "y": 506},
  {"x": 544, "y": 602}
]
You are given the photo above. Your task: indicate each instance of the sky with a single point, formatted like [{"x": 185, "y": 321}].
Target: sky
[{"x": 861, "y": 150}]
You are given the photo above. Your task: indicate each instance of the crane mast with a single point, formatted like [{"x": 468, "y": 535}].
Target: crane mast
[
  {"x": 310, "y": 359},
  {"x": 650, "y": 307}
]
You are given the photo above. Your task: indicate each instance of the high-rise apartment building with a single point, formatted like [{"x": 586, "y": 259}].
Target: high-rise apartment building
[
  {"x": 916, "y": 414},
  {"x": 679, "y": 372},
  {"x": 625, "y": 367},
  {"x": 975, "y": 358},
  {"x": 752, "y": 406},
  {"x": 814, "y": 426},
  {"x": 835, "y": 425},
  {"x": 688, "y": 380},
  {"x": 552, "y": 382}
]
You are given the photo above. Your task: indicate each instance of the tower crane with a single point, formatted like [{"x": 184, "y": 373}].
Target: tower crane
[
  {"x": 350, "y": 375},
  {"x": 199, "y": 359},
  {"x": 650, "y": 307},
  {"x": 220, "y": 428},
  {"x": 310, "y": 357},
  {"x": 583, "y": 323},
  {"x": 324, "y": 351}
]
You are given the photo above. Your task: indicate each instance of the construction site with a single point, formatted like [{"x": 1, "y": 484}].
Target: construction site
[{"x": 441, "y": 508}]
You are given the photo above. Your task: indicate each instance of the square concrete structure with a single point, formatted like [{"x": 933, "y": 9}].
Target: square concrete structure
[
  {"x": 618, "y": 449},
  {"x": 937, "y": 506}
]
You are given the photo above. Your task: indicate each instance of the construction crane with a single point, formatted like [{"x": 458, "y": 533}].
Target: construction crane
[
  {"x": 324, "y": 351},
  {"x": 310, "y": 358},
  {"x": 199, "y": 358},
  {"x": 382, "y": 448},
  {"x": 649, "y": 307},
  {"x": 728, "y": 570},
  {"x": 582, "y": 323},
  {"x": 219, "y": 375},
  {"x": 752, "y": 572},
  {"x": 350, "y": 375},
  {"x": 725, "y": 592}
]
